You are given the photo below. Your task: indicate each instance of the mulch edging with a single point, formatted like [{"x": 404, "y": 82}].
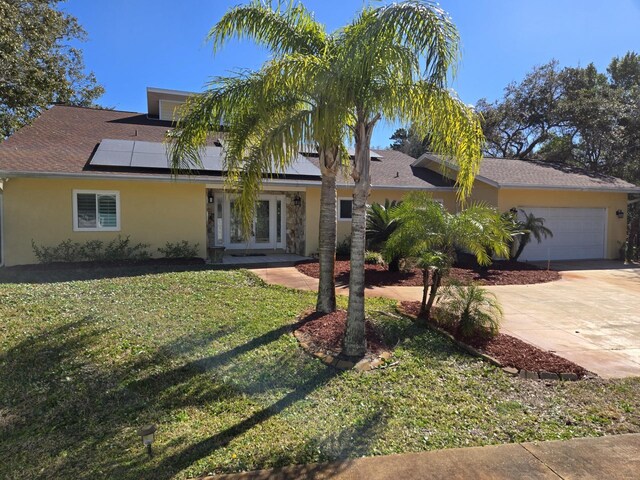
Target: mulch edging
[
  {"x": 320, "y": 335},
  {"x": 499, "y": 273},
  {"x": 556, "y": 368}
]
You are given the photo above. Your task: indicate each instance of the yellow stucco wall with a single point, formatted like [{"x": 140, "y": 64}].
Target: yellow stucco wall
[
  {"x": 616, "y": 227},
  {"x": 150, "y": 212}
]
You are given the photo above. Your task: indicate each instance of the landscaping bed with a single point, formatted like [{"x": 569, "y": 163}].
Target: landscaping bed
[
  {"x": 509, "y": 351},
  {"x": 500, "y": 272}
]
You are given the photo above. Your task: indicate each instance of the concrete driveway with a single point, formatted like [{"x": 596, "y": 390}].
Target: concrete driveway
[{"x": 591, "y": 316}]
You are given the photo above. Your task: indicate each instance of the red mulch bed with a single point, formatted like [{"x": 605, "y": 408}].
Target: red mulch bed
[
  {"x": 510, "y": 351},
  {"x": 501, "y": 272},
  {"x": 325, "y": 331}
]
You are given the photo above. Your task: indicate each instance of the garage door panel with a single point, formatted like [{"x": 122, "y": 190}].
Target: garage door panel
[{"x": 578, "y": 233}]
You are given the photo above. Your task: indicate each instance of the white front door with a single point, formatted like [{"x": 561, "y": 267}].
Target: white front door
[{"x": 268, "y": 225}]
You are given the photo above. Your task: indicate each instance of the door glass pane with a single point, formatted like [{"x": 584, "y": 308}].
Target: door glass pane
[
  {"x": 235, "y": 230},
  {"x": 218, "y": 225},
  {"x": 279, "y": 221},
  {"x": 262, "y": 229}
]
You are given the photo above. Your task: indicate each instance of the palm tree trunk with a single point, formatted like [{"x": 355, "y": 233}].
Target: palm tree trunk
[
  {"x": 423, "y": 304},
  {"x": 354, "y": 337},
  {"x": 326, "y": 302},
  {"x": 437, "y": 278},
  {"x": 521, "y": 244}
]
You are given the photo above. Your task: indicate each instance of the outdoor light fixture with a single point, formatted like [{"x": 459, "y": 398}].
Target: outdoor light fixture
[
  {"x": 619, "y": 213},
  {"x": 513, "y": 210},
  {"x": 147, "y": 433},
  {"x": 210, "y": 197},
  {"x": 297, "y": 201}
]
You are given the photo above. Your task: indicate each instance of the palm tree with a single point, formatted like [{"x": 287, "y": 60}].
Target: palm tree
[
  {"x": 394, "y": 64},
  {"x": 381, "y": 223},
  {"x": 270, "y": 116},
  {"x": 431, "y": 235},
  {"x": 530, "y": 225}
]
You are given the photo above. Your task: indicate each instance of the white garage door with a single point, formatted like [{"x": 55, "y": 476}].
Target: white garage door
[{"x": 578, "y": 233}]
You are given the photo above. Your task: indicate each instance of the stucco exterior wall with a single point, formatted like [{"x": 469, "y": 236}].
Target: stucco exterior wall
[
  {"x": 150, "y": 212},
  {"x": 484, "y": 193},
  {"x": 616, "y": 227}
]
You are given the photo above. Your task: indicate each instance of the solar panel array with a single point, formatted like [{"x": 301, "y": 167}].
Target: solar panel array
[{"x": 139, "y": 154}]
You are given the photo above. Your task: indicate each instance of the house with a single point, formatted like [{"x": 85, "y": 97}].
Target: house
[{"x": 87, "y": 174}]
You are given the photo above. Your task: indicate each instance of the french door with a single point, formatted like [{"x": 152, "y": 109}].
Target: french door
[{"x": 267, "y": 228}]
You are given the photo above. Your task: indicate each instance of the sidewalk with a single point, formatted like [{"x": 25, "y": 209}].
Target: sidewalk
[
  {"x": 614, "y": 457},
  {"x": 292, "y": 278}
]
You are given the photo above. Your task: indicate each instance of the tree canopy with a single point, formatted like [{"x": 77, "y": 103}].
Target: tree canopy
[
  {"x": 38, "y": 65},
  {"x": 573, "y": 115}
]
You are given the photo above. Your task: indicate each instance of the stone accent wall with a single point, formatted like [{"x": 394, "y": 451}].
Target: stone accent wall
[{"x": 295, "y": 223}]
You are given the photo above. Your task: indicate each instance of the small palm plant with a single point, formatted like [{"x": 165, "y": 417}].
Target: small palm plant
[
  {"x": 381, "y": 223},
  {"x": 430, "y": 235},
  {"x": 530, "y": 225},
  {"x": 473, "y": 309}
]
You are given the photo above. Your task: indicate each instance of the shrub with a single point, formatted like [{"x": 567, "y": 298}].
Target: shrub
[
  {"x": 66, "y": 251},
  {"x": 473, "y": 310},
  {"x": 94, "y": 250},
  {"x": 182, "y": 249},
  {"x": 343, "y": 249},
  {"x": 373, "y": 258}
]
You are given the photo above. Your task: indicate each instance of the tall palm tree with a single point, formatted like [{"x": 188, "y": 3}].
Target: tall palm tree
[
  {"x": 394, "y": 64},
  {"x": 271, "y": 115},
  {"x": 431, "y": 235},
  {"x": 530, "y": 226}
]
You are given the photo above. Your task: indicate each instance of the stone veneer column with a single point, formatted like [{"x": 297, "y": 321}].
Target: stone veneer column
[{"x": 295, "y": 224}]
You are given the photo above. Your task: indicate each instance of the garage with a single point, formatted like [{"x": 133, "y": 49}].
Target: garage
[{"x": 578, "y": 233}]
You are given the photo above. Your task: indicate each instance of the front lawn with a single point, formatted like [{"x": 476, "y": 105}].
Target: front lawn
[{"x": 208, "y": 356}]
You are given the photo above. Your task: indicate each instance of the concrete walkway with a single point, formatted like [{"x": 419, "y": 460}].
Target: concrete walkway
[
  {"x": 590, "y": 316},
  {"x": 613, "y": 457}
]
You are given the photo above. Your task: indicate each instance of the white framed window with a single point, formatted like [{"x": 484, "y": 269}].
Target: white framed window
[
  {"x": 96, "y": 211},
  {"x": 345, "y": 208}
]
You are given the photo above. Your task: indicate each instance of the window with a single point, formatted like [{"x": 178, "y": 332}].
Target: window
[
  {"x": 96, "y": 211},
  {"x": 345, "y": 208}
]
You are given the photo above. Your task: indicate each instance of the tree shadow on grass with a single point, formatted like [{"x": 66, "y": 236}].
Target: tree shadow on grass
[{"x": 173, "y": 464}]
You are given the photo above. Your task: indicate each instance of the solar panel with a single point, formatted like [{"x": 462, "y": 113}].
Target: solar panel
[{"x": 140, "y": 154}]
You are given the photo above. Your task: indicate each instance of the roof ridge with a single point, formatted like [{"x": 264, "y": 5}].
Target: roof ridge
[{"x": 95, "y": 109}]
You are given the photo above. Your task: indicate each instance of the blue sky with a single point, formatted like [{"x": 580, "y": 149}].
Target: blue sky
[{"x": 133, "y": 44}]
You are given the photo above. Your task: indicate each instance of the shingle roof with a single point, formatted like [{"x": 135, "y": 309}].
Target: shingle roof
[
  {"x": 512, "y": 173},
  {"x": 63, "y": 140},
  {"x": 530, "y": 174}
]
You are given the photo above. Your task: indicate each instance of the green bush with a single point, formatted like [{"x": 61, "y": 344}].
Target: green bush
[
  {"x": 93, "y": 250},
  {"x": 182, "y": 249},
  {"x": 472, "y": 310},
  {"x": 343, "y": 249},
  {"x": 373, "y": 258}
]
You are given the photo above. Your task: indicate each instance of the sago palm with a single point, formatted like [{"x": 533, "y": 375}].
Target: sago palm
[
  {"x": 381, "y": 223},
  {"x": 270, "y": 115}
]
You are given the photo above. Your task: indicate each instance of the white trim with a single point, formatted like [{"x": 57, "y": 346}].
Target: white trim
[
  {"x": 97, "y": 228},
  {"x": 169, "y": 91},
  {"x": 340, "y": 218}
]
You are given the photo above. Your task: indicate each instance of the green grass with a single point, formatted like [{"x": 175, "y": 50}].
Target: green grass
[{"x": 208, "y": 356}]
